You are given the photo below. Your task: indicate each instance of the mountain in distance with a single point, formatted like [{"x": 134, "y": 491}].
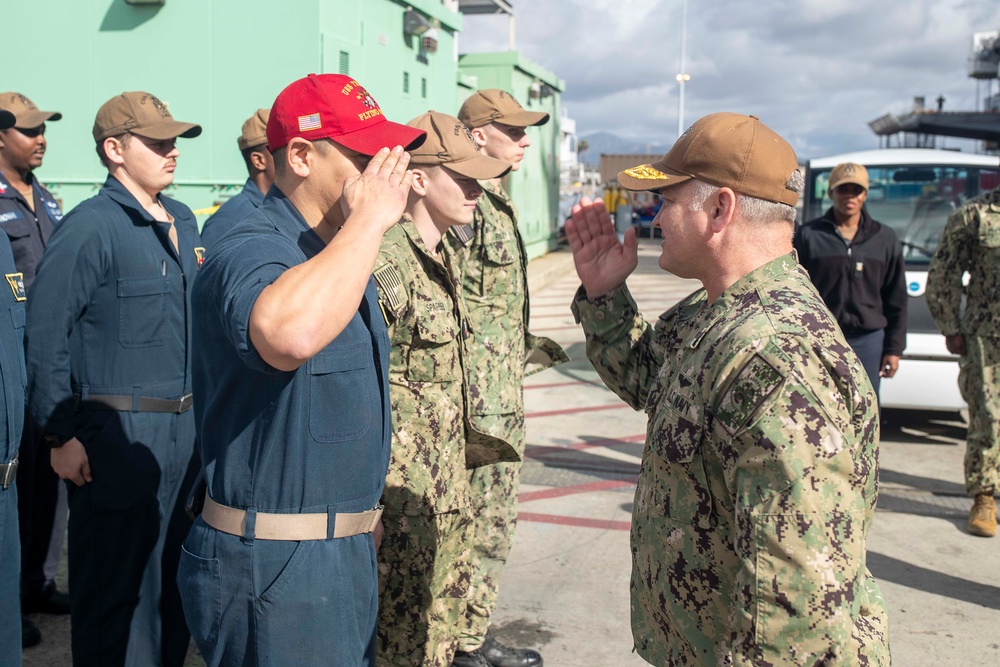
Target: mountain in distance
[{"x": 611, "y": 144}]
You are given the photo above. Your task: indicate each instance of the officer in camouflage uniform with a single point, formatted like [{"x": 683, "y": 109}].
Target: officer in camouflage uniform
[
  {"x": 971, "y": 242},
  {"x": 490, "y": 256},
  {"x": 424, "y": 559},
  {"x": 759, "y": 476}
]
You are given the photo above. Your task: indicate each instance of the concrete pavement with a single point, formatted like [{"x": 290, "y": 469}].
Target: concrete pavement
[{"x": 565, "y": 589}]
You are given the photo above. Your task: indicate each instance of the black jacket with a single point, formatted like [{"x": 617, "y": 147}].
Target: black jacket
[{"x": 862, "y": 281}]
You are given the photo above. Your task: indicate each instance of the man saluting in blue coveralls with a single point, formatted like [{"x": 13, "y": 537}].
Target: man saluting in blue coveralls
[
  {"x": 109, "y": 383},
  {"x": 291, "y": 374}
]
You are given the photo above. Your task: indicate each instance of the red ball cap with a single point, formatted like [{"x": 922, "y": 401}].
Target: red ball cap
[{"x": 335, "y": 106}]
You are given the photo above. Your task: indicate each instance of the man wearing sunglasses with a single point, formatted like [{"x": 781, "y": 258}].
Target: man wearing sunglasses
[
  {"x": 28, "y": 213},
  {"x": 857, "y": 265}
]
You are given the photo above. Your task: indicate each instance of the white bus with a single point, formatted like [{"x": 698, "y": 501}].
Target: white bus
[{"x": 913, "y": 190}]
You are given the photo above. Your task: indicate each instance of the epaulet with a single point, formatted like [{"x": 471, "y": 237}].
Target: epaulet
[
  {"x": 463, "y": 233},
  {"x": 390, "y": 286}
]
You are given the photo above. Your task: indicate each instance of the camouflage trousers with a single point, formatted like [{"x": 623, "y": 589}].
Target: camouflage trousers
[
  {"x": 424, "y": 572},
  {"x": 979, "y": 382},
  {"x": 493, "y": 489}
]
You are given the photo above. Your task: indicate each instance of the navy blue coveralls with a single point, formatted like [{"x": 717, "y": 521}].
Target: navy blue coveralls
[
  {"x": 108, "y": 334},
  {"x": 37, "y": 484},
  {"x": 239, "y": 207},
  {"x": 313, "y": 440},
  {"x": 12, "y": 298}
]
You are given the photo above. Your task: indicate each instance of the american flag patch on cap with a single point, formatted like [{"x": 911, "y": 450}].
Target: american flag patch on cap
[{"x": 310, "y": 122}]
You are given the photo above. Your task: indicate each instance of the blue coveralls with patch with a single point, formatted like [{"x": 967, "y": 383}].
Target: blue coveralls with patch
[
  {"x": 239, "y": 207},
  {"x": 313, "y": 440},
  {"x": 109, "y": 316},
  {"x": 37, "y": 484},
  {"x": 11, "y": 417}
]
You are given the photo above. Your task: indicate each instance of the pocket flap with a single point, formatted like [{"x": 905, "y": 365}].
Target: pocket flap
[
  {"x": 341, "y": 358},
  {"x": 142, "y": 286}
]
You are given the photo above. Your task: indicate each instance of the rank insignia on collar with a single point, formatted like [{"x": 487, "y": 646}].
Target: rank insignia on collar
[
  {"x": 16, "y": 282},
  {"x": 199, "y": 254}
]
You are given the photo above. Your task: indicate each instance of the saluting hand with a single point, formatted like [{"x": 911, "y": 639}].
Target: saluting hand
[
  {"x": 378, "y": 194},
  {"x": 71, "y": 462},
  {"x": 602, "y": 261}
]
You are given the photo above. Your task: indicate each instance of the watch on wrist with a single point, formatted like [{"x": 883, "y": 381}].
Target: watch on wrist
[{"x": 54, "y": 441}]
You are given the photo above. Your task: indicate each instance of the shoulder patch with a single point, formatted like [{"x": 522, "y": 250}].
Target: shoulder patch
[
  {"x": 755, "y": 383},
  {"x": 464, "y": 233},
  {"x": 390, "y": 287}
]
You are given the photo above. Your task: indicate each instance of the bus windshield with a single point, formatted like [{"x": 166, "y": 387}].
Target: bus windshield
[{"x": 915, "y": 200}]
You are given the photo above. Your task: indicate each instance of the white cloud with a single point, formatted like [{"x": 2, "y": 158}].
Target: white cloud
[{"x": 817, "y": 71}]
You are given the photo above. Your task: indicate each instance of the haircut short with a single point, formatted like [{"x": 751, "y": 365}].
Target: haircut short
[
  {"x": 124, "y": 139},
  {"x": 755, "y": 210}
]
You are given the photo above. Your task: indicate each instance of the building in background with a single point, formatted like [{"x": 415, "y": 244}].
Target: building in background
[{"x": 215, "y": 62}]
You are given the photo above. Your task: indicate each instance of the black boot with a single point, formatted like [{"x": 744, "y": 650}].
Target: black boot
[
  {"x": 499, "y": 655},
  {"x": 30, "y": 634},
  {"x": 470, "y": 659},
  {"x": 48, "y": 600}
]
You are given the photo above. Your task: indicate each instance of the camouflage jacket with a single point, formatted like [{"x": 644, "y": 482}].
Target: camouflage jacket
[
  {"x": 490, "y": 258},
  {"x": 758, "y": 480},
  {"x": 970, "y": 242},
  {"x": 427, "y": 470}
]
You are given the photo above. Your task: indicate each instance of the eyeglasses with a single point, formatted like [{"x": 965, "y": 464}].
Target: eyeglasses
[
  {"x": 32, "y": 132},
  {"x": 849, "y": 190}
]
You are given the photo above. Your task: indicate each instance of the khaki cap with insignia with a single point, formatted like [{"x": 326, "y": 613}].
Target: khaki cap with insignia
[
  {"x": 848, "y": 172},
  {"x": 450, "y": 144},
  {"x": 28, "y": 115},
  {"x": 141, "y": 114},
  {"x": 498, "y": 106},
  {"x": 726, "y": 150},
  {"x": 254, "y": 130}
]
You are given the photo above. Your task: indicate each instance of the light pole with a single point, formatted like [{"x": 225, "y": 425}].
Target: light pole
[{"x": 683, "y": 76}]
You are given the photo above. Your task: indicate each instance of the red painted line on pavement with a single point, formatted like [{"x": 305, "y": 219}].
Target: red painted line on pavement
[
  {"x": 574, "y": 521},
  {"x": 560, "y": 491},
  {"x": 562, "y": 384},
  {"x": 570, "y": 411},
  {"x": 541, "y": 451}
]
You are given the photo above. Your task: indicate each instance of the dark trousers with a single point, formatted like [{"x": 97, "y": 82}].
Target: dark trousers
[
  {"x": 38, "y": 494},
  {"x": 868, "y": 347},
  {"x": 125, "y": 532},
  {"x": 10, "y": 562}
]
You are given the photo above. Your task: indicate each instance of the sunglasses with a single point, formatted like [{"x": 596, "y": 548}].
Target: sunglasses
[
  {"x": 849, "y": 189},
  {"x": 32, "y": 132}
]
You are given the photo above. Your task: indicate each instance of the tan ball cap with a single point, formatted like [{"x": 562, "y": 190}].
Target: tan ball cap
[
  {"x": 254, "y": 130},
  {"x": 727, "y": 150},
  {"x": 849, "y": 172},
  {"x": 494, "y": 105},
  {"x": 450, "y": 144},
  {"x": 142, "y": 114},
  {"x": 28, "y": 115}
]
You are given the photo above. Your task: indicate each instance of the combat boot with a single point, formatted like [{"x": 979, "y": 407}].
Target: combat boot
[
  {"x": 983, "y": 517},
  {"x": 499, "y": 655},
  {"x": 470, "y": 659}
]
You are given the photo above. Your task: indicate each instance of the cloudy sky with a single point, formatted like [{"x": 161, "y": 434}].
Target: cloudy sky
[{"x": 816, "y": 71}]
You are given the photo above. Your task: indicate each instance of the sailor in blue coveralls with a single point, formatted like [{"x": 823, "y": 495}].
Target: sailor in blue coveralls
[
  {"x": 12, "y": 299},
  {"x": 28, "y": 212},
  {"x": 109, "y": 378},
  {"x": 291, "y": 378},
  {"x": 252, "y": 143}
]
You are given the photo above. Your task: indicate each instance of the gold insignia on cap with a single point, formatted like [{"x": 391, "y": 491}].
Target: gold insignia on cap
[
  {"x": 16, "y": 282},
  {"x": 646, "y": 172}
]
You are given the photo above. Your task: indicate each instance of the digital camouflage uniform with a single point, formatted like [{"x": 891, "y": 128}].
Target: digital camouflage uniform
[
  {"x": 971, "y": 242},
  {"x": 758, "y": 480},
  {"x": 489, "y": 255},
  {"x": 424, "y": 559}
]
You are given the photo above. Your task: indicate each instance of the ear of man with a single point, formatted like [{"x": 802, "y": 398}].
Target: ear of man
[
  {"x": 298, "y": 155},
  {"x": 420, "y": 181},
  {"x": 721, "y": 208},
  {"x": 479, "y": 136}
]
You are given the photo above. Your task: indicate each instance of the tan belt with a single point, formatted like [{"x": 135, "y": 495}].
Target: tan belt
[{"x": 289, "y": 527}]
